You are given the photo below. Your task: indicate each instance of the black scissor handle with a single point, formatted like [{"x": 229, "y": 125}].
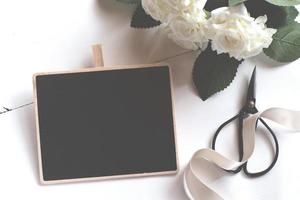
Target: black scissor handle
[
  {"x": 241, "y": 117},
  {"x": 240, "y": 128},
  {"x": 261, "y": 173}
]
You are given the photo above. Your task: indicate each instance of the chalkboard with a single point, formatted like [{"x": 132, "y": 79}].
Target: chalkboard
[{"x": 105, "y": 123}]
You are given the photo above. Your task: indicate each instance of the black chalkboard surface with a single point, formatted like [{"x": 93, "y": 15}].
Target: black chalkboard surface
[{"x": 105, "y": 123}]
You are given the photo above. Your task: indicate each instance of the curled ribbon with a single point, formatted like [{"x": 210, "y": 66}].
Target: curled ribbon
[{"x": 193, "y": 184}]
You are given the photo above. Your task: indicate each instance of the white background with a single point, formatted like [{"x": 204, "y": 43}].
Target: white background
[{"x": 37, "y": 36}]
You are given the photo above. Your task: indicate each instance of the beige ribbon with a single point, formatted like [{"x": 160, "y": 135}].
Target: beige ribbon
[{"x": 193, "y": 184}]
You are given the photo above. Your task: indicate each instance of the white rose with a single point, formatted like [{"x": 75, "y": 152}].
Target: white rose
[
  {"x": 188, "y": 6},
  {"x": 165, "y": 10},
  {"x": 158, "y": 9},
  {"x": 232, "y": 30},
  {"x": 188, "y": 34},
  {"x": 184, "y": 20}
]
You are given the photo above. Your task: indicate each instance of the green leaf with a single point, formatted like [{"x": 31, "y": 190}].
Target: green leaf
[
  {"x": 291, "y": 13},
  {"x": 208, "y": 14},
  {"x": 141, "y": 19},
  {"x": 213, "y": 73},
  {"x": 213, "y": 4},
  {"x": 278, "y": 16},
  {"x": 130, "y": 1},
  {"x": 284, "y": 2},
  {"x": 235, "y": 2},
  {"x": 286, "y": 44}
]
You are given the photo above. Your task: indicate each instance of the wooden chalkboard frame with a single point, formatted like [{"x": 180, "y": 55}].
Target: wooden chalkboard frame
[{"x": 106, "y": 68}]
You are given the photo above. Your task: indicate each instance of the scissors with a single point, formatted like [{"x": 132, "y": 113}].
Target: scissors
[{"x": 248, "y": 109}]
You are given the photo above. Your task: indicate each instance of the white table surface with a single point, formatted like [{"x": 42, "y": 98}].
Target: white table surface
[{"x": 37, "y": 36}]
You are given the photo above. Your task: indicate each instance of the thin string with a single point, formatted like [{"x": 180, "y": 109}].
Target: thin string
[
  {"x": 174, "y": 56},
  {"x": 7, "y": 109}
]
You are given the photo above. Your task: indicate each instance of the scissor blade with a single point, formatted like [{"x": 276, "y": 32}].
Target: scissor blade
[{"x": 251, "y": 95}]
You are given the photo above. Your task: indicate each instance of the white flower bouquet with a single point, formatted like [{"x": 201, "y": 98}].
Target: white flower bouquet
[{"x": 225, "y": 32}]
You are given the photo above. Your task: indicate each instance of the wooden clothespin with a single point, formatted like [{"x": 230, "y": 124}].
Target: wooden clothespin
[{"x": 97, "y": 55}]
